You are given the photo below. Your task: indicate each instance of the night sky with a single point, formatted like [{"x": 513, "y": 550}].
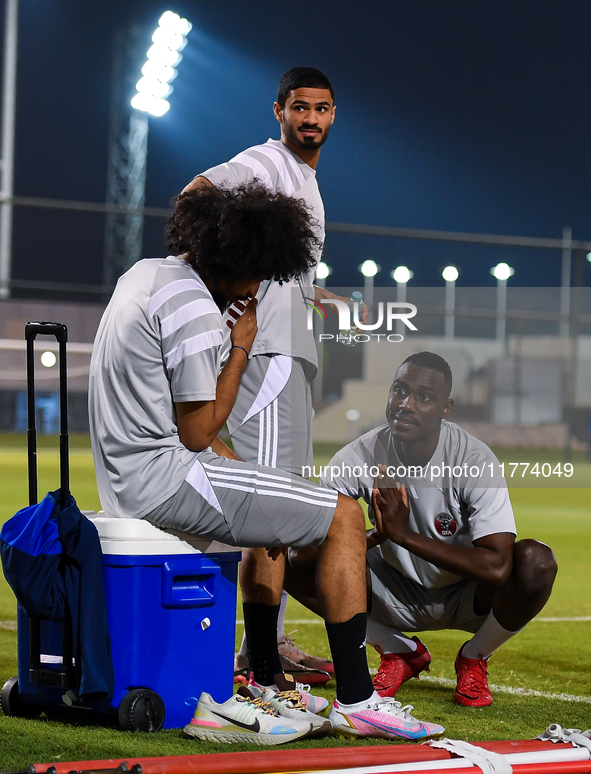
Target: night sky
[{"x": 465, "y": 115}]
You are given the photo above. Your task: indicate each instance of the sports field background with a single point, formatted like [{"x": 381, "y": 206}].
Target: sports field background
[{"x": 542, "y": 674}]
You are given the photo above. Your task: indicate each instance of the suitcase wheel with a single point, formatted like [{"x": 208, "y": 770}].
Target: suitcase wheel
[
  {"x": 141, "y": 710},
  {"x": 12, "y": 704}
]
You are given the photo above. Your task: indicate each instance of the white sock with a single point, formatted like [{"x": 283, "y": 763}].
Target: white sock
[
  {"x": 388, "y": 639},
  {"x": 487, "y": 639},
  {"x": 281, "y": 617},
  {"x": 243, "y": 652}
]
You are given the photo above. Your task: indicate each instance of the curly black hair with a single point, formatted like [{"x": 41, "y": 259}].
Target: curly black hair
[{"x": 245, "y": 232}]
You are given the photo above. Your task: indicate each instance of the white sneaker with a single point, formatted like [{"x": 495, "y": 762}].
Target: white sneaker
[
  {"x": 243, "y": 718},
  {"x": 288, "y": 704},
  {"x": 287, "y": 682},
  {"x": 380, "y": 717}
]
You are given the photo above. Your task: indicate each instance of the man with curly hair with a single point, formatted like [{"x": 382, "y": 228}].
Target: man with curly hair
[
  {"x": 271, "y": 422},
  {"x": 157, "y": 401}
]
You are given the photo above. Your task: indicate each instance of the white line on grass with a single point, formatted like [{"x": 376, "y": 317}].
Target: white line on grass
[
  {"x": 515, "y": 691},
  {"x": 299, "y": 621},
  {"x": 10, "y": 626}
]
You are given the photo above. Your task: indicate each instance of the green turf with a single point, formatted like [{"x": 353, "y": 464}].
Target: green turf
[{"x": 551, "y": 657}]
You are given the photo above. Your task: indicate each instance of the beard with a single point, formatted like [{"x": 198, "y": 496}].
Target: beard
[{"x": 308, "y": 143}]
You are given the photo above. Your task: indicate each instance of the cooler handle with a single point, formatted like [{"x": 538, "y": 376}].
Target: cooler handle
[{"x": 188, "y": 583}]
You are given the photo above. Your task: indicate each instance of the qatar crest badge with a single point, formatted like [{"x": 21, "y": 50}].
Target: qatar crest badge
[{"x": 445, "y": 524}]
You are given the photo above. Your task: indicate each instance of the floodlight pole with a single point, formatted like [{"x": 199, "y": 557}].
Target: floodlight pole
[
  {"x": 450, "y": 308},
  {"x": 126, "y": 170},
  {"x": 8, "y": 127},
  {"x": 567, "y": 241}
]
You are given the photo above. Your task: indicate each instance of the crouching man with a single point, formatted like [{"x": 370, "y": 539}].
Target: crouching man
[
  {"x": 442, "y": 554},
  {"x": 158, "y": 400}
]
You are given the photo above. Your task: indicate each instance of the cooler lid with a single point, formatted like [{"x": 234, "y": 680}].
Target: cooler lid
[{"x": 137, "y": 537}]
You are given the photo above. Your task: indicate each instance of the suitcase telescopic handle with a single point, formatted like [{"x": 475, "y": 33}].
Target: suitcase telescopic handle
[{"x": 59, "y": 330}]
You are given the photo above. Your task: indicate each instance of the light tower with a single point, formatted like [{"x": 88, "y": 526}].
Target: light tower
[{"x": 132, "y": 102}]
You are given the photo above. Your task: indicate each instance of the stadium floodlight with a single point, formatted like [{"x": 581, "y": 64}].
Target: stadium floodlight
[
  {"x": 450, "y": 274},
  {"x": 401, "y": 275},
  {"x": 158, "y": 72},
  {"x": 369, "y": 268},
  {"x": 323, "y": 271},
  {"x": 502, "y": 271},
  {"x": 352, "y": 415},
  {"x": 588, "y": 256},
  {"x": 48, "y": 359}
]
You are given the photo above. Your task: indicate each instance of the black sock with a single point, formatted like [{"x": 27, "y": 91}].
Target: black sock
[
  {"x": 347, "y": 645},
  {"x": 260, "y": 626}
]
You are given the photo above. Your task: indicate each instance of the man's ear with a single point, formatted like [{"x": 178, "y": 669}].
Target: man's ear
[
  {"x": 447, "y": 408},
  {"x": 333, "y": 111},
  {"x": 278, "y": 111}
]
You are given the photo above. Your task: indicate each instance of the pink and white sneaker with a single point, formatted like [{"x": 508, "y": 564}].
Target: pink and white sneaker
[
  {"x": 286, "y": 682},
  {"x": 381, "y": 717}
]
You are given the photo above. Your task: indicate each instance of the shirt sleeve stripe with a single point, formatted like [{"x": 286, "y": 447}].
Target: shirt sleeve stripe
[
  {"x": 172, "y": 289},
  {"x": 188, "y": 312},
  {"x": 192, "y": 346},
  {"x": 258, "y": 169},
  {"x": 285, "y": 165}
]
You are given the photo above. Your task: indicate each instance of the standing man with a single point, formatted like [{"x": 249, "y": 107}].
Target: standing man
[{"x": 271, "y": 423}]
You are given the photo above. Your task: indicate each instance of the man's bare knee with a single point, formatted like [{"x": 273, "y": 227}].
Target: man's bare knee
[{"x": 348, "y": 522}]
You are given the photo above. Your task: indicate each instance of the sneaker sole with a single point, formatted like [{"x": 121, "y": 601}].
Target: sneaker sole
[
  {"x": 463, "y": 701},
  {"x": 235, "y": 737},
  {"x": 345, "y": 733}
]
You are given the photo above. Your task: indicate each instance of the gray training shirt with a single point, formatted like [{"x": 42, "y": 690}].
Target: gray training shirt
[
  {"x": 282, "y": 311},
  {"x": 454, "y": 506},
  {"x": 158, "y": 343}
]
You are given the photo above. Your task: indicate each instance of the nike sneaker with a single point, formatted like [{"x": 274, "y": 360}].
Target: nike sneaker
[
  {"x": 289, "y": 704},
  {"x": 286, "y": 682},
  {"x": 243, "y": 718},
  {"x": 472, "y": 687},
  {"x": 397, "y": 668},
  {"x": 384, "y": 718},
  {"x": 288, "y": 648},
  {"x": 301, "y": 673}
]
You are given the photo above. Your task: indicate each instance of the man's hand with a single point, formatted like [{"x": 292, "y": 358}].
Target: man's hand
[
  {"x": 244, "y": 328},
  {"x": 391, "y": 508}
]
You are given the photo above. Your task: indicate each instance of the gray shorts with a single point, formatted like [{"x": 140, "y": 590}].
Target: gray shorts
[
  {"x": 271, "y": 422},
  {"x": 404, "y": 604},
  {"x": 247, "y": 505}
]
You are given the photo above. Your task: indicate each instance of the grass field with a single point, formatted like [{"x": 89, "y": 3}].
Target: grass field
[{"x": 542, "y": 674}]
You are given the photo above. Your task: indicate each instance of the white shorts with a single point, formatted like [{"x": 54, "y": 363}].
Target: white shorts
[
  {"x": 402, "y": 603},
  {"x": 247, "y": 505},
  {"x": 271, "y": 422}
]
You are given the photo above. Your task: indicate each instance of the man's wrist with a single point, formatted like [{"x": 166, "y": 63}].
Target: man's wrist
[{"x": 239, "y": 346}]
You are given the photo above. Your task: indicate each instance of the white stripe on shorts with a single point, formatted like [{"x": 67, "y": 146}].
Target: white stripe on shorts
[
  {"x": 275, "y": 380},
  {"x": 275, "y": 406},
  {"x": 218, "y": 478},
  {"x": 197, "y": 478},
  {"x": 298, "y": 497}
]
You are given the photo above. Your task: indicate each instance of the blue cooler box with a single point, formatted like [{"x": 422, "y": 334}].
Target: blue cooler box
[{"x": 172, "y": 619}]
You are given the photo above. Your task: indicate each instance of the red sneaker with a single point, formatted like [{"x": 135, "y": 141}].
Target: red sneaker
[
  {"x": 472, "y": 688},
  {"x": 397, "y": 668}
]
